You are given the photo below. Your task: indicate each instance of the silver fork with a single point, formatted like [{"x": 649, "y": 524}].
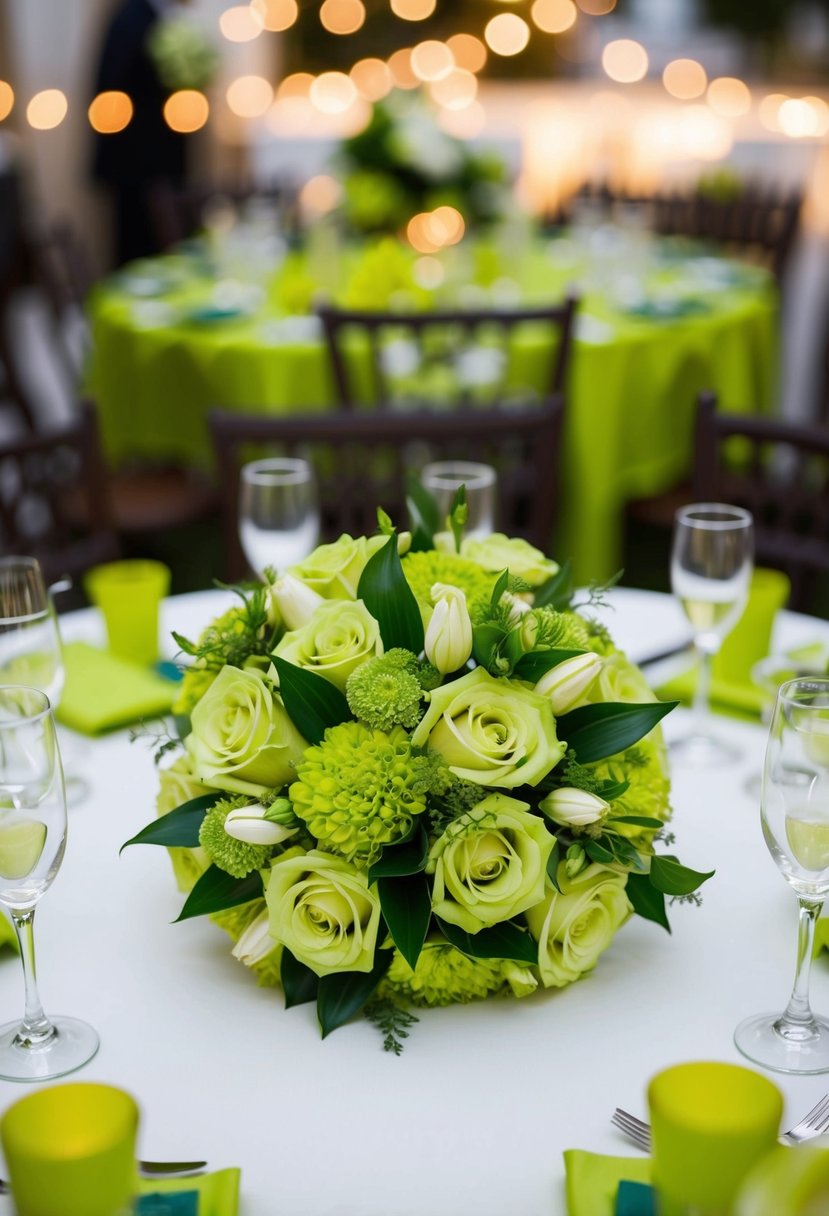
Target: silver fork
[{"x": 813, "y": 1124}]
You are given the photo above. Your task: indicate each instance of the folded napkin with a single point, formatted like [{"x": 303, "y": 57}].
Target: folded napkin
[
  {"x": 728, "y": 696},
  {"x": 593, "y": 1180},
  {"x": 103, "y": 691},
  {"x": 217, "y": 1195}
]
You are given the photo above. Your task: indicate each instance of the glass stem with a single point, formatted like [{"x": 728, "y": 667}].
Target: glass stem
[
  {"x": 35, "y": 1027},
  {"x": 702, "y": 691},
  {"x": 798, "y": 1011}
]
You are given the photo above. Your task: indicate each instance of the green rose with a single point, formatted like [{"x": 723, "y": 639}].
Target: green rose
[
  {"x": 197, "y": 680},
  {"x": 498, "y": 552},
  {"x": 242, "y": 738},
  {"x": 574, "y": 926},
  {"x": 620, "y": 680},
  {"x": 334, "y": 570},
  {"x": 490, "y": 864},
  {"x": 323, "y": 910},
  {"x": 491, "y": 731},
  {"x": 338, "y": 638},
  {"x": 177, "y": 785}
]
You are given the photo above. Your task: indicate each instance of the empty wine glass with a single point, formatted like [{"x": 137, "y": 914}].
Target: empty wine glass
[
  {"x": 443, "y": 479},
  {"x": 795, "y": 819},
  {"x": 279, "y": 519},
  {"x": 711, "y": 563},
  {"x": 32, "y": 843}
]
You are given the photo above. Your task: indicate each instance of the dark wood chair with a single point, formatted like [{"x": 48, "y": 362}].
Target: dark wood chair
[
  {"x": 362, "y": 458},
  {"x": 780, "y": 472},
  {"x": 54, "y": 498},
  {"x": 61, "y": 269},
  {"x": 441, "y": 359}
]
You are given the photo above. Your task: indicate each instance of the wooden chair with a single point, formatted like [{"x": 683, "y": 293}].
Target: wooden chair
[
  {"x": 780, "y": 472},
  {"x": 362, "y": 458},
  {"x": 60, "y": 268},
  {"x": 54, "y": 498},
  {"x": 438, "y": 359}
]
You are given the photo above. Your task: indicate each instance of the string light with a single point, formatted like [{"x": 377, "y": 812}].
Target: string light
[
  {"x": 625, "y": 61},
  {"x": 296, "y": 85},
  {"x": 413, "y": 10},
  {"x": 249, "y": 96},
  {"x": 507, "y": 34},
  {"x": 400, "y": 66},
  {"x": 242, "y": 23},
  {"x": 333, "y": 92},
  {"x": 596, "y": 8},
  {"x": 769, "y": 110},
  {"x": 276, "y": 15},
  {"x": 47, "y": 109},
  {"x": 6, "y": 99},
  {"x": 431, "y": 60},
  {"x": 186, "y": 111},
  {"x": 470, "y": 53},
  {"x": 685, "y": 79},
  {"x": 455, "y": 91},
  {"x": 729, "y": 96},
  {"x": 110, "y": 112},
  {"x": 554, "y": 16},
  {"x": 373, "y": 78},
  {"x": 342, "y": 16}
]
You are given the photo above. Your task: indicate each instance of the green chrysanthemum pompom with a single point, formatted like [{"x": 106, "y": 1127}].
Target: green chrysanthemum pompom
[
  {"x": 360, "y": 789},
  {"x": 561, "y": 629},
  {"x": 444, "y": 976},
  {"x": 424, "y": 569},
  {"x": 648, "y": 793},
  {"x": 233, "y": 856},
  {"x": 384, "y": 694}
]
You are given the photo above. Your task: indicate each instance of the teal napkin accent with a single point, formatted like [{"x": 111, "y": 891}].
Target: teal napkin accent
[
  {"x": 592, "y": 1180},
  {"x": 217, "y": 1194},
  {"x": 635, "y": 1199},
  {"x": 179, "y": 1203},
  {"x": 103, "y": 692}
]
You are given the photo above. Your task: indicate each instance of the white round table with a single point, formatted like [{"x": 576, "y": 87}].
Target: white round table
[{"x": 475, "y": 1114}]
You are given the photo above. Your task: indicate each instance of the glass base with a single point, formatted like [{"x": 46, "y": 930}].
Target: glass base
[
  {"x": 73, "y": 1045},
  {"x": 701, "y": 749},
  {"x": 794, "y": 1049}
]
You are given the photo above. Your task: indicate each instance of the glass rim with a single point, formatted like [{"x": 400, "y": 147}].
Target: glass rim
[
  {"x": 45, "y": 712},
  {"x": 290, "y": 470},
  {"x": 735, "y": 517},
  {"x": 451, "y": 474},
  {"x": 22, "y": 559},
  {"x": 810, "y": 684}
]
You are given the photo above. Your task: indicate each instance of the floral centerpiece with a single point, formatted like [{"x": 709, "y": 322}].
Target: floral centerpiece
[{"x": 414, "y": 773}]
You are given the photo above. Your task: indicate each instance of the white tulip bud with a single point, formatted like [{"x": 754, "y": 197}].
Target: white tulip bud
[
  {"x": 448, "y": 642},
  {"x": 255, "y": 943},
  {"x": 567, "y": 682},
  {"x": 295, "y": 601},
  {"x": 572, "y": 808},
  {"x": 518, "y": 606},
  {"x": 249, "y": 824}
]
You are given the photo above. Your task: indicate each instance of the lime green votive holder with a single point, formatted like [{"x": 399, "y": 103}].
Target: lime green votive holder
[
  {"x": 70, "y": 1151},
  {"x": 129, "y": 594},
  {"x": 711, "y": 1124}
]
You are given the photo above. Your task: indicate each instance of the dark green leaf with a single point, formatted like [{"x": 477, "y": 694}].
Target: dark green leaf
[
  {"x": 299, "y": 983},
  {"x": 178, "y": 828},
  {"x": 185, "y": 644},
  {"x": 486, "y": 641},
  {"x": 313, "y": 703},
  {"x": 424, "y": 515},
  {"x": 538, "y": 662},
  {"x": 390, "y": 600},
  {"x": 407, "y": 909},
  {"x": 217, "y": 890},
  {"x": 598, "y": 852},
  {"x": 500, "y": 587},
  {"x": 639, "y": 821},
  {"x": 613, "y": 789},
  {"x": 407, "y": 858},
  {"x": 343, "y": 993},
  {"x": 597, "y": 731},
  {"x": 625, "y": 853},
  {"x": 557, "y": 592},
  {"x": 498, "y": 941},
  {"x": 552, "y": 865},
  {"x": 672, "y": 878},
  {"x": 646, "y": 900},
  {"x": 458, "y": 515},
  {"x": 182, "y": 725}
]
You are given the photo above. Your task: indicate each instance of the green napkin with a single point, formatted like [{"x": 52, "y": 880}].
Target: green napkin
[
  {"x": 103, "y": 691},
  {"x": 593, "y": 1180},
  {"x": 218, "y": 1192},
  {"x": 728, "y": 696}
]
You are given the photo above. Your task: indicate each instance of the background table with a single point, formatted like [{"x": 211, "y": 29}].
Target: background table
[{"x": 632, "y": 391}]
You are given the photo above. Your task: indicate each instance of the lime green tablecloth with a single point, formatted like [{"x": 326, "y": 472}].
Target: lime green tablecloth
[{"x": 632, "y": 390}]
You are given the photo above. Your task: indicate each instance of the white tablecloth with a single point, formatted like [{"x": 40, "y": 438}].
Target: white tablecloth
[{"x": 473, "y": 1117}]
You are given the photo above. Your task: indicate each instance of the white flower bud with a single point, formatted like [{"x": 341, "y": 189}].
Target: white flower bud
[
  {"x": 572, "y": 808},
  {"x": 448, "y": 642},
  {"x": 248, "y": 824},
  {"x": 255, "y": 943},
  {"x": 295, "y": 600},
  {"x": 566, "y": 683},
  {"x": 517, "y": 605}
]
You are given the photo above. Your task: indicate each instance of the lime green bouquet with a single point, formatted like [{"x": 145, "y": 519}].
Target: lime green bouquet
[{"x": 414, "y": 772}]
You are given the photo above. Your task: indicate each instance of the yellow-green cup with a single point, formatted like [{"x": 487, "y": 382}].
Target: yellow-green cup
[
  {"x": 711, "y": 1124},
  {"x": 750, "y": 639},
  {"x": 70, "y": 1151},
  {"x": 129, "y": 594}
]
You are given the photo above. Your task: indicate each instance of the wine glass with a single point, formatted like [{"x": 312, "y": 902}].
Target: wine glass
[
  {"x": 443, "y": 479},
  {"x": 795, "y": 818},
  {"x": 32, "y": 843},
  {"x": 711, "y": 563},
  {"x": 279, "y": 518}
]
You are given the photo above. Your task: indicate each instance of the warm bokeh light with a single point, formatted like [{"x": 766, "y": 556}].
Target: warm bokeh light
[
  {"x": 342, "y": 16},
  {"x": 803, "y": 117},
  {"x": 333, "y": 92},
  {"x": 296, "y": 85},
  {"x": 413, "y": 10},
  {"x": 276, "y": 15},
  {"x": 625, "y": 61},
  {"x": 821, "y": 111},
  {"x": 110, "y": 112},
  {"x": 417, "y": 231},
  {"x": 469, "y": 52},
  {"x": 456, "y": 90},
  {"x": 186, "y": 111},
  {"x": 704, "y": 136},
  {"x": 507, "y": 34},
  {"x": 400, "y": 66},
  {"x": 768, "y": 110},
  {"x": 465, "y": 123},
  {"x": 242, "y": 23},
  {"x": 431, "y": 60},
  {"x": 446, "y": 226},
  {"x": 249, "y": 96},
  {"x": 373, "y": 78},
  {"x": 729, "y": 96},
  {"x": 685, "y": 79},
  {"x": 320, "y": 195},
  {"x": 554, "y": 16},
  {"x": 596, "y": 8},
  {"x": 6, "y": 99},
  {"x": 47, "y": 109}
]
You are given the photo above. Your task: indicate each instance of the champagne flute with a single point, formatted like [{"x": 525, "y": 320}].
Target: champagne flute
[
  {"x": 711, "y": 563},
  {"x": 443, "y": 479},
  {"x": 795, "y": 819},
  {"x": 32, "y": 843},
  {"x": 279, "y": 518}
]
